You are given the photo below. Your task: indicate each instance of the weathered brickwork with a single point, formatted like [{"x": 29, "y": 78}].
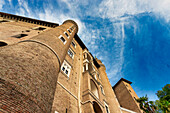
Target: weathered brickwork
[{"x": 11, "y": 100}]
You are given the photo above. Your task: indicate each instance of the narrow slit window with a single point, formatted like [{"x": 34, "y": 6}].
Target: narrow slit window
[
  {"x": 62, "y": 39},
  {"x": 3, "y": 44},
  {"x": 66, "y": 34},
  {"x": 2, "y": 21},
  {"x": 39, "y": 28},
  {"x": 70, "y": 53},
  {"x": 20, "y": 35},
  {"x": 73, "y": 44},
  {"x": 68, "y": 30}
]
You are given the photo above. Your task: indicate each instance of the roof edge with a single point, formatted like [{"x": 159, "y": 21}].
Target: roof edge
[
  {"x": 122, "y": 79},
  {"x": 28, "y": 20}
]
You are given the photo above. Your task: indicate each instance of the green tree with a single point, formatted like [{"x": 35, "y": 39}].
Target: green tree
[
  {"x": 145, "y": 105},
  {"x": 164, "y": 99}
]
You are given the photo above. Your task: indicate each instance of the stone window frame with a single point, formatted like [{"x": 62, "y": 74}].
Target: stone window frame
[
  {"x": 64, "y": 41},
  {"x": 106, "y": 106},
  {"x": 102, "y": 90},
  {"x": 66, "y": 34},
  {"x": 73, "y": 44},
  {"x": 69, "y": 31},
  {"x": 67, "y": 68},
  {"x": 70, "y": 51}
]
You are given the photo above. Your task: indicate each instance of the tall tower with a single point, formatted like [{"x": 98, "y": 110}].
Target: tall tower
[
  {"x": 126, "y": 95},
  {"x": 29, "y": 68},
  {"x": 110, "y": 95}
]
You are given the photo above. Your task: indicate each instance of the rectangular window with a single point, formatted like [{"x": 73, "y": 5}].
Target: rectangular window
[
  {"x": 66, "y": 68},
  {"x": 106, "y": 107},
  {"x": 73, "y": 44},
  {"x": 66, "y": 34},
  {"x": 20, "y": 35},
  {"x": 68, "y": 30},
  {"x": 102, "y": 90},
  {"x": 62, "y": 39},
  {"x": 39, "y": 28},
  {"x": 70, "y": 53},
  {"x": 1, "y": 21}
]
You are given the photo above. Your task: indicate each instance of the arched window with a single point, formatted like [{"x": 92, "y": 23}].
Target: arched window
[
  {"x": 97, "y": 108},
  {"x": 94, "y": 88}
]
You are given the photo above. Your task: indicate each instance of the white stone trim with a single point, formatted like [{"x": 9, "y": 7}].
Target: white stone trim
[
  {"x": 67, "y": 90},
  {"x": 127, "y": 110}
]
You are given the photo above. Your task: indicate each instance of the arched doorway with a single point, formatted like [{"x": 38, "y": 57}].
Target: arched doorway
[{"x": 96, "y": 108}]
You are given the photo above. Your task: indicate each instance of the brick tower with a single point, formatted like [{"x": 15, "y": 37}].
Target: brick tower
[
  {"x": 29, "y": 68},
  {"x": 126, "y": 96}
]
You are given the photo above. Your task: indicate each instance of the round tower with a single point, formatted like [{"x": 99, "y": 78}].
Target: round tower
[
  {"x": 29, "y": 69},
  {"x": 109, "y": 93}
]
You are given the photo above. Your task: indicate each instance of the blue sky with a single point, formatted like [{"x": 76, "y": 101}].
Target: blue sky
[{"x": 131, "y": 37}]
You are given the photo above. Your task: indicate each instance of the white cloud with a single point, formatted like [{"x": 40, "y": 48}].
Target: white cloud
[
  {"x": 2, "y": 2},
  {"x": 10, "y": 2},
  {"x": 113, "y": 9}
]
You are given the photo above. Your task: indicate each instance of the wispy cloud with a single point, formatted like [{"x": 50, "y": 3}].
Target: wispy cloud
[{"x": 2, "y": 2}]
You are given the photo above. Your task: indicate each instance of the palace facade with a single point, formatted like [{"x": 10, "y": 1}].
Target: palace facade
[{"x": 46, "y": 68}]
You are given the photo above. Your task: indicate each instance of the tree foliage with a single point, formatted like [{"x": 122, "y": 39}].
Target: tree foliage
[
  {"x": 145, "y": 105},
  {"x": 164, "y": 99},
  {"x": 160, "y": 106}
]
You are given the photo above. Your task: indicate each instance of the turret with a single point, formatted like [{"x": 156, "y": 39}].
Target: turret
[{"x": 29, "y": 69}]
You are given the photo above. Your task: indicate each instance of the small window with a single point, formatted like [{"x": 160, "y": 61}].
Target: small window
[
  {"x": 66, "y": 34},
  {"x": 66, "y": 72},
  {"x": 134, "y": 98},
  {"x": 107, "y": 108},
  {"x": 39, "y": 28},
  {"x": 73, "y": 44},
  {"x": 102, "y": 90},
  {"x": 129, "y": 90},
  {"x": 3, "y": 44},
  {"x": 62, "y": 39},
  {"x": 20, "y": 35},
  {"x": 66, "y": 68},
  {"x": 27, "y": 30},
  {"x": 68, "y": 30},
  {"x": 1, "y": 21},
  {"x": 70, "y": 53},
  {"x": 98, "y": 76},
  {"x": 63, "y": 69},
  {"x": 126, "y": 85}
]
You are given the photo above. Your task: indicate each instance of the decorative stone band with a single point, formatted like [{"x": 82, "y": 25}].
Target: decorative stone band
[
  {"x": 67, "y": 90},
  {"x": 94, "y": 97},
  {"x": 45, "y": 46},
  {"x": 124, "y": 109}
]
